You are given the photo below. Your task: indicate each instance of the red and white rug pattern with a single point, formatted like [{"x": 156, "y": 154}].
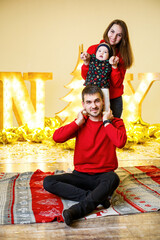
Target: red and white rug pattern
[{"x": 23, "y": 199}]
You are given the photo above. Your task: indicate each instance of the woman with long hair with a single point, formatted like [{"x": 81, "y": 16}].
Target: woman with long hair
[{"x": 116, "y": 34}]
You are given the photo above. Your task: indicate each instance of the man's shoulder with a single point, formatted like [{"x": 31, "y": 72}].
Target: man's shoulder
[{"x": 118, "y": 121}]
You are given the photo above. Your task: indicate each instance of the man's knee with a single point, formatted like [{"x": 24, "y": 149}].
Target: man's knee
[
  {"x": 112, "y": 179},
  {"x": 47, "y": 183},
  {"x": 114, "y": 182},
  {"x": 116, "y": 179}
]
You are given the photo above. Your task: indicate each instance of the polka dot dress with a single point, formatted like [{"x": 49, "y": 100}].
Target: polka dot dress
[{"x": 99, "y": 73}]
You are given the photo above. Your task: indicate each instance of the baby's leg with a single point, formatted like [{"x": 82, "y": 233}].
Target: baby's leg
[{"x": 106, "y": 98}]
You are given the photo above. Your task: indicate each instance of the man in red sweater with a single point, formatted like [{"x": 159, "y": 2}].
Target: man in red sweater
[{"x": 93, "y": 180}]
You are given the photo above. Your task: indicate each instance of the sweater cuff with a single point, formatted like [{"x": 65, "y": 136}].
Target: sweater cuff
[
  {"x": 85, "y": 67},
  {"x": 109, "y": 127},
  {"x": 75, "y": 125},
  {"x": 114, "y": 70}
]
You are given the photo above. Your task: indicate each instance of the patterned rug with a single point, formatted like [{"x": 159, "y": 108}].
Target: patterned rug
[{"x": 23, "y": 199}]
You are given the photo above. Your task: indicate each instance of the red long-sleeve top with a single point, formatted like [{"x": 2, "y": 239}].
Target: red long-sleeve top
[
  {"x": 117, "y": 74},
  {"x": 95, "y": 148}
]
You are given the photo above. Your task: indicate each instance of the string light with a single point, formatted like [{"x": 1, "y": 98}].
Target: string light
[
  {"x": 30, "y": 111},
  {"x": 133, "y": 99},
  {"x": 7, "y": 104}
]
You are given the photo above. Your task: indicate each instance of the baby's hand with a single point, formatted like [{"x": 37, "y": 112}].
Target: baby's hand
[
  {"x": 114, "y": 60},
  {"x": 85, "y": 57}
]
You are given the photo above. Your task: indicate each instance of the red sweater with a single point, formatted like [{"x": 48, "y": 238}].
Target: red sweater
[
  {"x": 117, "y": 75},
  {"x": 95, "y": 149}
]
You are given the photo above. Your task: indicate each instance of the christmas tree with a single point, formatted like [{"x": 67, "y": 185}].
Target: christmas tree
[{"x": 74, "y": 96}]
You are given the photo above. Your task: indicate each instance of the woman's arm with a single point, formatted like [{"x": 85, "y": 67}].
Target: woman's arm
[{"x": 118, "y": 74}]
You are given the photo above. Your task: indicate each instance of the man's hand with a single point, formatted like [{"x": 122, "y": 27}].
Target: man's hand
[
  {"x": 80, "y": 118},
  {"x": 108, "y": 115},
  {"x": 85, "y": 57},
  {"x": 114, "y": 60}
]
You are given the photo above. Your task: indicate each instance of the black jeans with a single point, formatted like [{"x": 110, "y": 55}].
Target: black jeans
[
  {"x": 89, "y": 190},
  {"x": 116, "y": 105}
]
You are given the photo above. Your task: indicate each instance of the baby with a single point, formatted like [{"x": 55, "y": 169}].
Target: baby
[{"x": 100, "y": 67}]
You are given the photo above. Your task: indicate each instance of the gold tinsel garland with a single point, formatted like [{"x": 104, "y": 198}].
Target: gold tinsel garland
[{"x": 137, "y": 133}]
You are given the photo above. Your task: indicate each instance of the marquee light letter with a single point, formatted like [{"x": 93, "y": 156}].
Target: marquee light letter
[
  {"x": 15, "y": 97},
  {"x": 133, "y": 99}
]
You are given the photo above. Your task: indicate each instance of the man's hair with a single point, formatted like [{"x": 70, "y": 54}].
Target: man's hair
[{"x": 91, "y": 89}]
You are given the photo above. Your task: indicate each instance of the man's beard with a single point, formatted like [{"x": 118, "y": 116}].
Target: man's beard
[{"x": 97, "y": 113}]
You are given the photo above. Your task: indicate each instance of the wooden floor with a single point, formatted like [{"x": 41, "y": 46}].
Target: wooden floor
[
  {"x": 21, "y": 157},
  {"x": 140, "y": 226}
]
